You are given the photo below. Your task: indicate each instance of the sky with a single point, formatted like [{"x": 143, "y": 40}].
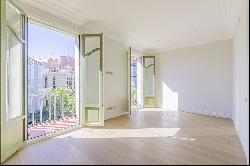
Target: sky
[{"x": 43, "y": 42}]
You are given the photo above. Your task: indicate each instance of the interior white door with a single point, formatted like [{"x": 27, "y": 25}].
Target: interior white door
[
  {"x": 13, "y": 78},
  {"x": 93, "y": 79}
]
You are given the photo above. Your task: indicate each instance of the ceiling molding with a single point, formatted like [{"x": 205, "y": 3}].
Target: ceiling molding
[
  {"x": 160, "y": 51},
  {"x": 140, "y": 29},
  {"x": 35, "y": 14},
  {"x": 58, "y": 8}
]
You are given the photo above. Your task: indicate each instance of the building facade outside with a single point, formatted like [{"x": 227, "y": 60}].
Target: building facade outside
[
  {"x": 45, "y": 74},
  {"x": 59, "y": 78},
  {"x": 35, "y": 84}
]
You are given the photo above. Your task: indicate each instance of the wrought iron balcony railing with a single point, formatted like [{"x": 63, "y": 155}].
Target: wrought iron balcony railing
[{"x": 51, "y": 110}]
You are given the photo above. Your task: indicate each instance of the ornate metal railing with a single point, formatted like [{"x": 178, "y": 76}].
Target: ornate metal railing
[{"x": 51, "y": 105}]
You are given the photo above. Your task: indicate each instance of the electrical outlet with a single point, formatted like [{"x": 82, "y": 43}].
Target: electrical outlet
[{"x": 109, "y": 108}]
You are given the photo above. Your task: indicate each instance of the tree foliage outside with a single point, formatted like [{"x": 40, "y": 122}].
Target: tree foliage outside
[
  {"x": 61, "y": 94},
  {"x": 133, "y": 96}
]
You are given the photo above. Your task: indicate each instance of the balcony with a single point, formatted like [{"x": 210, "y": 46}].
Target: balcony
[{"x": 51, "y": 111}]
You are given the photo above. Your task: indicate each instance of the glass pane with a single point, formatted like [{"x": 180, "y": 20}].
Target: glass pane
[
  {"x": 14, "y": 18},
  {"x": 149, "y": 62},
  {"x": 92, "y": 43},
  {"x": 14, "y": 76},
  {"x": 136, "y": 82},
  {"x": 92, "y": 71},
  {"x": 149, "y": 76}
]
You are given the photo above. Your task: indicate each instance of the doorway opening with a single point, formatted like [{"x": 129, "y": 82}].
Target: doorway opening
[
  {"x": 51, "y": 81},
  {"x": 41, "y": 74},
  {"x": 141, "y": 71},
  {"x": 149, "y": 81}
]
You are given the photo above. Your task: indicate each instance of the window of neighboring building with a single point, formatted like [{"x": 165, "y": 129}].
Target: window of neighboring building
[
  {"x": 46, "y": 82},
  {"x": 67, "y": 82},
  {"x": 54, "y": 81}
]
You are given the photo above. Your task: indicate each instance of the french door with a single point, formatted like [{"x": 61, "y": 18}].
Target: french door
[
  {"x": 129, "y": 80},
  {"x": 13, "y": 78},
  {"x": 93, "y": 104},
  {"x": 149, "y": 81}
]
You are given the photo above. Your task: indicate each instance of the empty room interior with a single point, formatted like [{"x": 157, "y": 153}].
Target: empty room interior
[{"x": 124, "y": 82}]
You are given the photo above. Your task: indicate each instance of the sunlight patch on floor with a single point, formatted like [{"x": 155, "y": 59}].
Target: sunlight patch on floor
[{"x": 122, "y": 133}]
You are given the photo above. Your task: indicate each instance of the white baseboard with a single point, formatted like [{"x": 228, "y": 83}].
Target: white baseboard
[
  {"x": 214, "y": 114},
  {"x": 114, "y": 114},
  {"x": 241, "y": 143}
]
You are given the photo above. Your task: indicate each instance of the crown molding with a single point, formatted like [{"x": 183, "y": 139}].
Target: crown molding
[
  {"x": 75, "y": 20},
  {"x": 160, "y": 51}
]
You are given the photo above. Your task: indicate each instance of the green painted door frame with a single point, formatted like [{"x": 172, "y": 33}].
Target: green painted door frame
[
  {"x": 148, "y": 100},
  {"x": 92, "y": 113},
  {"x": 13, "y": 132},
  {"x": 129, "y": 80}
]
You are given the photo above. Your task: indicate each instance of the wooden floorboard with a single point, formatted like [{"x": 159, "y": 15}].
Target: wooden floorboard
[{"x": 146, "y": 137}]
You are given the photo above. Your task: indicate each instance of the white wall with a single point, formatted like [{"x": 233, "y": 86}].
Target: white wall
[
  {"x": 196, "y": 79},
  {"x": 115, "y": 84},
  {"x": 241, "y": 78}
]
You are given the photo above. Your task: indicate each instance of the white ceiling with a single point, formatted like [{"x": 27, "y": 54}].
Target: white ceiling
[{"x": 148, "y": 25}]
